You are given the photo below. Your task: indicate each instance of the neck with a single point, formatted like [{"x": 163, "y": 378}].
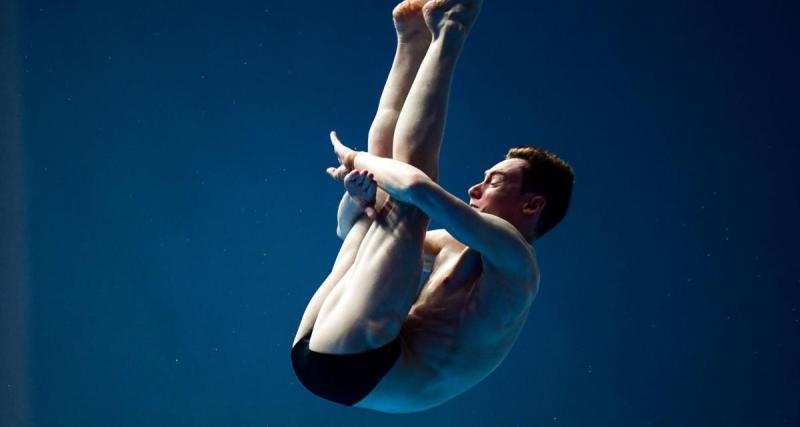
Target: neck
[
  {"x": 527, "y": 233},
  {"x": 530, "y": 238}
]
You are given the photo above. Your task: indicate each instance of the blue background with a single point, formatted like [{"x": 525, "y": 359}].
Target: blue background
[{"x": 180, "y": 217}]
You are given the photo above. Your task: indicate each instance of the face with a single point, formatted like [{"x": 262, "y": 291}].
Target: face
[{"x": 499, "y": 192}]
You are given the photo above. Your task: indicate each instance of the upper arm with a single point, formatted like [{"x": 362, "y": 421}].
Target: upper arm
[
  {"x": 432, "y": 245},
  {"x": 498, "y": 242}
]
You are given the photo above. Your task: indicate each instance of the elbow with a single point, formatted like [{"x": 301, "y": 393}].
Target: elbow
[
  {"x": 405, "y": 183},
  {"x": 417, "y": 185}
]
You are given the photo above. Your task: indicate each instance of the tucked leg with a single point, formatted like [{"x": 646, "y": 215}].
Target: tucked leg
[
  {"x": 413, "y": 38},
  {"x": 373, "y": 300}
]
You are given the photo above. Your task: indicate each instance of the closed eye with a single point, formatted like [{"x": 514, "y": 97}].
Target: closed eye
[{"x": 495, "y": 178}]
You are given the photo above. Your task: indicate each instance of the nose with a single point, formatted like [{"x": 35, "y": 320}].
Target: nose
[{"x": 475, "y": 191}]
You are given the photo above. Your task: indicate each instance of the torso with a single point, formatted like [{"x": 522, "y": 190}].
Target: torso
[{"x": 451, "y": 341}]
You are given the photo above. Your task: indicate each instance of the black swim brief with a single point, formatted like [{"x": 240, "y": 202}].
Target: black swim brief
[{"x": 343, "y": 378}]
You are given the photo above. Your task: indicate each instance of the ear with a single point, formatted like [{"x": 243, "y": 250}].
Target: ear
[{"x": 534, "y": 203}]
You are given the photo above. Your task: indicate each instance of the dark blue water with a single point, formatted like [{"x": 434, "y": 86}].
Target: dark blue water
[{"x": 179, "y": 216}]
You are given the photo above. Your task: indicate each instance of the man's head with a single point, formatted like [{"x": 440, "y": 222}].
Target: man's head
[{"x": 531, "y": 189}]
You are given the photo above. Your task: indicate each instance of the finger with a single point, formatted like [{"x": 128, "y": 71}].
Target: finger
[
  {"x": 341, "y": 172},
  {"x": 332, "y": 173},
  {"x": 373, "y": 187},
  {"x": 351, "y": 175},
  {"x": 362, "y": 179},
  {"x": 340, "y": 149},
  {"x": 370, "y": 211},
  {"x": 337, "y": 147},
  {"x": 337, "y": 144}
]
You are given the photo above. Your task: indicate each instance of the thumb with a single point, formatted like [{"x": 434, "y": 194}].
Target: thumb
[
  {"x": 332, "y": 173},
  {"x": 370, "y": 211}
]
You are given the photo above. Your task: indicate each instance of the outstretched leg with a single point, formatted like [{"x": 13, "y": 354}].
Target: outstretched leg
[
  {"x": 420, "y": 127},
  {"x": 370, "y": 304},
  {"x": 413, "y": 38}
]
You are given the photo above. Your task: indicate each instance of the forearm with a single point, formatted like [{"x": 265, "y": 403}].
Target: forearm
[
  {"x": 396, "y": 178},
  {"x": 346, "y": 215}
]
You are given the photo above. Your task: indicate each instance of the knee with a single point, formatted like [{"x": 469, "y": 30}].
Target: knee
[{"x": 405, "y": 216}]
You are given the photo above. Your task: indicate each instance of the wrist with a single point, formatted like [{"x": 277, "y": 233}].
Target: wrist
[{"x": 350, "y": 160}]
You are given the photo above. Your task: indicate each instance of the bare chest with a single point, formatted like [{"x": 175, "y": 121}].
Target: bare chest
[
  {"x": 450, "y": 342},
  {"x": 450, "y": 285},
  {"x": 449, "y": 334}
]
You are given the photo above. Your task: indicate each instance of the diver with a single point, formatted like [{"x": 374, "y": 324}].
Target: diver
[{"x": 373, "y": 336}]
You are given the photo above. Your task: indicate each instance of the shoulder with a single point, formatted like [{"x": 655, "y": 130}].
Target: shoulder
[
  {"x": 502, "y": 297},
  {"x": 515, "y": 281},
  {"x": 509, "y": 254}
]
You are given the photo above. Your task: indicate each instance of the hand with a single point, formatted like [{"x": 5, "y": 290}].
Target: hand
[
  {"x": 361, "y": 188},
  {"x": 360, "y": 185},
  {"x": 338, "y": 173},
  {"x": 342, "y": 153}
]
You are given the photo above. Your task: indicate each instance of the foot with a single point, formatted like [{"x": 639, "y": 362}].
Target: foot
[
  {"x": 451, "y": 15},
  {"x": 361, "y": 187},
  {"x": 409, "y": 23}
]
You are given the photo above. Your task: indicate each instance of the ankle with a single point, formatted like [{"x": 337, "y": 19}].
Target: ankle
[
  {"x": 451, "y": 38},
  {"x": 452, "y": 29},
  {"x": 416, "y": 41}
]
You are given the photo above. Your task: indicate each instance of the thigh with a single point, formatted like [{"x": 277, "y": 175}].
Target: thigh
[
  {"x": 371, "y": 302},
  {"x": 394, "y": 240},
  {"x": 327, "y": 290}
]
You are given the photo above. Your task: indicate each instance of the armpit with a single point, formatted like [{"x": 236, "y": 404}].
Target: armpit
[{"x": 428, "y": 260}]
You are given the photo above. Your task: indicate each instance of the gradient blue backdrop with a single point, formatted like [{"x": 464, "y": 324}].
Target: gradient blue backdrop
[{"x": 180, "y": 216}]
